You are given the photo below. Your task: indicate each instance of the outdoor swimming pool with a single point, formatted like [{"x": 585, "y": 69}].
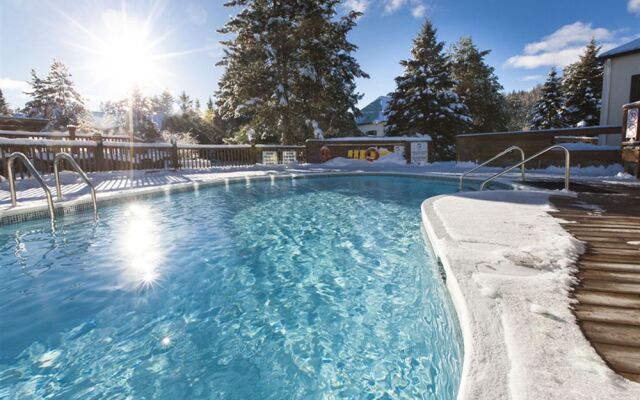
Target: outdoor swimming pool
[{"x": 305, "y": 288}]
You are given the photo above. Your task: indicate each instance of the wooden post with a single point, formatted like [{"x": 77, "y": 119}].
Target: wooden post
[
  {"x": 72, "y": 136},
  {"x": 407, "y": 151},
  {"x": 98, "y": 156},
  {"x": 175, "y": 160},
  {"x": 254, "y": 154}
]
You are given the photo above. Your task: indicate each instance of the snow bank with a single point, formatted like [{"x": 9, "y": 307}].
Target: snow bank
[
  {"x": 390, "y": 159},
  {"x": 509, "y": 269}
]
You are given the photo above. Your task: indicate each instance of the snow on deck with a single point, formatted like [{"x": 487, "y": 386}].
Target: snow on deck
[{"x": 509, "y": 270}]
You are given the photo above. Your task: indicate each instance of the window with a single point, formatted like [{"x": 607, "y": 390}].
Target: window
[
  {"x": 635, "y": 89},
  {"x": 289, "y": 157},
  {"x": 270, "y": 157}
]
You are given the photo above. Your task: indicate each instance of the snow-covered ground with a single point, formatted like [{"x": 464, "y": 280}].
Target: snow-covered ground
[{"x": 508, "y": 269}]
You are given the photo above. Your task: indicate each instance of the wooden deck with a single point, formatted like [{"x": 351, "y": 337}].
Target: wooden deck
[{"x": 608, "y": 290}]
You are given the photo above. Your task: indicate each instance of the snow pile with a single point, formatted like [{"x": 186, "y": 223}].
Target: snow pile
[
  {"x": 589, "y": 147},
  {"x": 509, "y": 269}
]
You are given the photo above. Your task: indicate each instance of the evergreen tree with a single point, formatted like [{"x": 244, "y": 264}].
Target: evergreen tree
[
  {"x": 163, "y": 103},
  {"x": 582, "y": 86},
  {"x": 478, "y": 85},
  {"x": 134, "y": 114},
  {"x": 185, "y": 103},
  {"x": 4, "y": 106},
  {"x": 56, "y": 99},
  {"x": 424, "y": 100},
  {"x": 520, "y": 108},
  {"x": 547, "y": 111},
  {"x": 289, "y": 70}
]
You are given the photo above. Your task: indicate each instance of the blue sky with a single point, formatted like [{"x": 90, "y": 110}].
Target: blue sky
[{"x": 180, "y": 45}]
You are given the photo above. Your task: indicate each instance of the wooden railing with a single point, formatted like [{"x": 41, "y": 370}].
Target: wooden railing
[
  {"x": 99, "y": 155},
  {"x": 70, "y": 135}
]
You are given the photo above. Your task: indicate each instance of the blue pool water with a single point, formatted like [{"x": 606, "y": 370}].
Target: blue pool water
[{"x": 287, "y": 289}]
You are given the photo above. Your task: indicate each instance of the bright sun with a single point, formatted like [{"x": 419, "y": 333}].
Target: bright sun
[{"x": 125, "y": 55}]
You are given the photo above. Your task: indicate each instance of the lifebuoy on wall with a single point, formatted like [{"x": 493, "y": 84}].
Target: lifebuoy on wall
[
  {"x": 371, "y": 154},
  {"x": 325, "y": 153}
]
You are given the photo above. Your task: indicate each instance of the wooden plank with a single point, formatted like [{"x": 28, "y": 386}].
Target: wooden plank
[
  {"x": 607, "y": 298},
  {"x": 615, "y": 315},
  {"x": 631, "y": 377},
  {"x": 623, "y": 358},
  {"x": 624, "y": 335},
  {"x": 612, "y": 287},
  {"x": 609, "y": 266},
  {"x": 610, "y": 276}
]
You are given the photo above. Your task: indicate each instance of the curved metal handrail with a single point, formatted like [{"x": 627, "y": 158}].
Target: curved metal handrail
[
  {"x": 502, "y": 153},
  {"x": 85, "y": 178},
  {"x": 567, "y": 165},
  {"x": 35, "y": 174}
]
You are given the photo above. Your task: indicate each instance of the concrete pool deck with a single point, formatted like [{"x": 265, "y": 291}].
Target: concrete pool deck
[{"x": 503, "y": 284}]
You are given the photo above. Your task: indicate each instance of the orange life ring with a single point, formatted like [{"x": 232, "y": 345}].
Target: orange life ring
[
  {"x": 371, "y": 154},
  {"x": 325, "y": 153}
]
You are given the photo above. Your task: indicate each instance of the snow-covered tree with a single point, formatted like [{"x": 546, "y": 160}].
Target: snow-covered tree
[
  {"x": 477, "y": 84},
  {"x": 425, "y": 100},
  {"x": 56, "y": 98},
  {"x": 134, "y": 114},
  {"x": 520, "y": 107},
  {"x": 4, "y": 106},
  {"x": 289, "y": 70},
  {"x": 582, "y": 87},
  {"x": 547, "y": 111},
  {"x": 163, "y": 103}
]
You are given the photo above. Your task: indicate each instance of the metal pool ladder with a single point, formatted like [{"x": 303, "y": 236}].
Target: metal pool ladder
[
  {"x": 567, "y": 165},
  {"x": 35, "y": 174},
  {"x": 66, "y": 156},
  {"x": 502, "y": 153}
]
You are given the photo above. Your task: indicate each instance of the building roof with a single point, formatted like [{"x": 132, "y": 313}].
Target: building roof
[
  {"x": 374, "y": 111},
  {"x": 627, "y": 48}
]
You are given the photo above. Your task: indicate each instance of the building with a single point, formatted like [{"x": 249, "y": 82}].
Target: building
[
  {"x": 372, "y": 121},
  {"x": 621, "y": 83}
]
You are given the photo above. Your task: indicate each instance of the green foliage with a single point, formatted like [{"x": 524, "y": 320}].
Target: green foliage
[
  {"x": 582, "y": 85},
  {"x": 425, "y": 100},
  {"x": 548, "y": 110},
  {"x": 477, "y": 84},
  {"x": 520, "y": 108},
  {"x": 289, "y": 71},
  {"x": 4, "y": 106}
]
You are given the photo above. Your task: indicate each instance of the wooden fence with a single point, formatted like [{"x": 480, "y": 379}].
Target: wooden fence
[
  {"x": 478, "y": 147},
  {"x": 70, "y": 135},
  {"x": 98, "y": 155}
]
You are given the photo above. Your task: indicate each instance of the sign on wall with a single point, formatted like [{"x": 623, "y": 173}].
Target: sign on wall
[
  {"x": 632, "y": 124},
  {"x": 419, "y": 153}
]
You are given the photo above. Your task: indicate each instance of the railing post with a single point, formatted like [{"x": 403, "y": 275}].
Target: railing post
[
  {"x": 98, "y": 155},
  {"x": 254, "y": 154},
  {"x": 174, "y": 154},
  {"x": 72, "y": 136}
]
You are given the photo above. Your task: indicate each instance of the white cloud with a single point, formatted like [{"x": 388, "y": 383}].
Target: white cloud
[
  {"x": 419, "y": 10},
  {"x": 528, "y": 78},
  {"x": 13, "y": 85},
  {"x": 392, "y": 6},
  {"x": 634, "y": 6},
  {"x": 564, "y": 46},
  {"x": 356, "y": 5}
]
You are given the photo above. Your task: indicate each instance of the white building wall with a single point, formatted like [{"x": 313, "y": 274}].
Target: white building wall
[
  {"x": 616, "y": 87},
  {"x": 369, "y": 129}
]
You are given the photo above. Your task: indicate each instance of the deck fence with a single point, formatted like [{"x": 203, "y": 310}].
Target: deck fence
[{"x": 100, "y": 155}]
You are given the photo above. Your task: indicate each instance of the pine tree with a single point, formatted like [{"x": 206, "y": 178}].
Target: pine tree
[
  {"x": 185, "y": 103},
  {"x": 424, "y": 100},
  {"x": 478, "y": 85},
  {"x": 163, "y": 103},
  {"x": 289, "y": 70},
  {"x": 520, "y": 107},
  {"x": 4, "y": 106},
  {"x": 547, "y": 111},
  {"x": 582, "y": 86},
  {"x": 134, "y": 114},
  {"x": 56, "y": 98}
]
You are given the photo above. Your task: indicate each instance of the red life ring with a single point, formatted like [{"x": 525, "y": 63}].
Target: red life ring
[
  {"x": 371, "y": 154},
  {"x": 325, "y": 153}
]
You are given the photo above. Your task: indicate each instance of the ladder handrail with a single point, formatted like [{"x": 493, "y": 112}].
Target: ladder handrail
[
  {"x": 69, "y": 158},
  {"x": 502, "y": 153},
  {"x": 35, "y": 174},
  {"x": 567, "y": 165}
]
